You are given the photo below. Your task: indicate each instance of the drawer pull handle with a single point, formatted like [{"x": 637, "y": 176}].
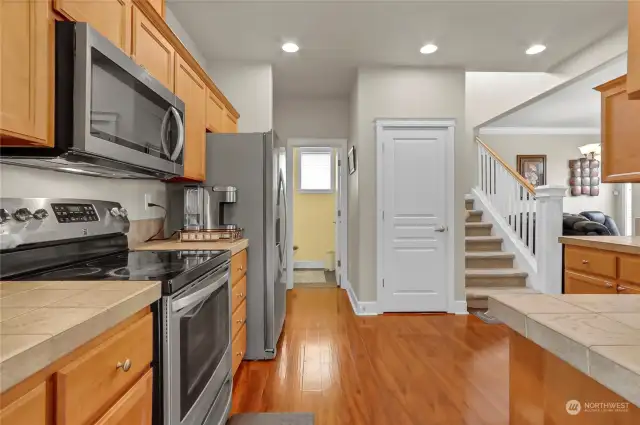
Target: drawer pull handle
[
  {"x": 585, "y": 261},
  {"x": 608, "y": 284},
  {"x": 124, "y": 366}
]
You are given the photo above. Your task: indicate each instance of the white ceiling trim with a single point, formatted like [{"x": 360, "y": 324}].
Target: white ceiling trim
[{"x": 540, "y": 130}]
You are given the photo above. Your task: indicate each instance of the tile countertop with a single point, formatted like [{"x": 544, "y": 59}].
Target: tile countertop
[
  {"x": 626, "y": 244},
  {"x": 41, "y": 322},
  {"x": 234, "y": 247},
  {"x": 597, "y": 334}
]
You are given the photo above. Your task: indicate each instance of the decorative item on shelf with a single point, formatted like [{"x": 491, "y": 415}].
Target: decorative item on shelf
[
  {"x": 533, "y": 168},
  {"x": 584, "y": 176},
  {"x": 211, "y": 235},
  {"x": 351, "y": 159}
]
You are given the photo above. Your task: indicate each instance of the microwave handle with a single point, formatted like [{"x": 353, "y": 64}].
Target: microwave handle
[
  {"x": 180, "y": 145},
  {"x": 163, "y": 132}
]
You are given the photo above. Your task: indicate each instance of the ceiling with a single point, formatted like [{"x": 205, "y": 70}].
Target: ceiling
[
  {"x": 573, "y": 105},
  {"x": 337, "y": 36}
]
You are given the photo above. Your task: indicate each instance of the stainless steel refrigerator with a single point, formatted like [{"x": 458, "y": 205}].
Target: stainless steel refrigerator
[{"x": 255, "y": 164}]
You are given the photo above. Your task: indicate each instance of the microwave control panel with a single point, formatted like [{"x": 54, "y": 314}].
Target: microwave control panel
[{"x": 73, "y": 213}]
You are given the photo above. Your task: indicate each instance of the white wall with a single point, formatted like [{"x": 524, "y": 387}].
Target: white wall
[
  {"x": 312, "y": 117},
  {"x": 23, "y": 182},
  {"x": 559, "y": 150},
  {"x": 184, "y": 36},
  {"x": 401, "y": 93},
  {"x": 353, "y": 237},
  {"x": 249, "y": 88}
]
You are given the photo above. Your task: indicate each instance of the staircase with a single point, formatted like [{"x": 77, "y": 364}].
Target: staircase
[{"x": 489, "y": 270}]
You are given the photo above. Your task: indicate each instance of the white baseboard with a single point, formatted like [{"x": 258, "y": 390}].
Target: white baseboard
[
  {"x": 458, "y": 307},
  {"x": 360, "y": 308},
  {"x": 308, "y": 265}
]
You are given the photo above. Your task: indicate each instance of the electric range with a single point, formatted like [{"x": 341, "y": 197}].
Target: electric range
[{"x": 78, "y": 239}]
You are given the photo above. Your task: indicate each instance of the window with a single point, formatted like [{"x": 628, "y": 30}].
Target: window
[{"x": 315, "y": 174}]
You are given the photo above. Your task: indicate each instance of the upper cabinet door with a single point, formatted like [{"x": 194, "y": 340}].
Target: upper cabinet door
[
  {"x": 620, "y": 132},
  {"x": 158, "y": 5},
  {"x": 231, "y": 123},
  {"x": 192, "y": 90},
  {"x": 633, "y": 64},
  {"x": 112, "y": 18},
  {"x": 151, "y": 50},
  {"x": 26, "y": 73},
  {"x": 215, "y": 113}
]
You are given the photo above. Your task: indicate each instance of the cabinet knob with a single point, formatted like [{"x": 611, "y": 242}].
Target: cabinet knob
[
  {"x": 621, "y": 288},
  {"x": 124, "y": 366},
  {"x": 241, "y": 268},
  {"x": 239, "y": 353},
  {"x": 585, "y": 261},
  {"x": 608, "y": 284},
  {"x": 240, "y": 295}
]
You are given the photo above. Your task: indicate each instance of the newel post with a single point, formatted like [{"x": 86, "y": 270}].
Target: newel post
[{"x": 548, "y": 229}]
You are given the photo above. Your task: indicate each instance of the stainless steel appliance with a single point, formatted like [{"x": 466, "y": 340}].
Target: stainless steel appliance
[
  {"x": 78, "y": 239},
  {"x": 260, "y": 209},
  {"x": 112, "y": 118},
  {"x": 204, "y": 207}
]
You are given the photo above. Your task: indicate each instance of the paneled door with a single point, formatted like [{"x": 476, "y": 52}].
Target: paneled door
[{"x": 415, "y": 235}]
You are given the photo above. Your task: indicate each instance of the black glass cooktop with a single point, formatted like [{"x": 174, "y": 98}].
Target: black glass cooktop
[{"x": 173, "y": 268}]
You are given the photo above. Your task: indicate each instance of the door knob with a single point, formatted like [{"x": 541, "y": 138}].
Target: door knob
[{"x": 441, "y": 229}]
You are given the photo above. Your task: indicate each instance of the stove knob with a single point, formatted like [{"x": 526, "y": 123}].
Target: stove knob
[
  {"x": 41, "y": 214},
  {"x": 23, "y": 214},
  {"x": 4, "y": 216},
  {"x": 114, "y": 212},
  {"x": 124, "y": 212}
]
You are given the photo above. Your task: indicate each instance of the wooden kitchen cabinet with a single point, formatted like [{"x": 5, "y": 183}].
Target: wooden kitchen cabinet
[
  {"x": 230, "y": 123},
  {"x": 238, "y": 308},
  {"x": 633, "y": 61},
  {"x": 112, "y": 18},
  {"x": 29, "y": 409},
  {"x": 575, "y": 283},
  {"x": 26, "y": 74},
  {"x": 135, "y": 407},
  {"x": 215, "y": 113},
  {"x": 158, "y": 5},
  {"x": 192, "y": 90},
  {"x": 152, "y": 50},
  {"x": 620, "y": 131}
]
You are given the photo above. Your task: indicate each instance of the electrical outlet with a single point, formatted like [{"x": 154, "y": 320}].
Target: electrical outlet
[{"x": 147, "y": 199}]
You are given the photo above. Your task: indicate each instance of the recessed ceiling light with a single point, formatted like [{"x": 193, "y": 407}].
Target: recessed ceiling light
[
  {"x": 428, "y": 49},
  {"x": 535, "y": 49},
  {"x": 290, "y": 47}
]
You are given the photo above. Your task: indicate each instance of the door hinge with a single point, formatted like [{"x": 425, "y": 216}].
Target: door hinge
[
  {"x": 339, "y": 263},
  {"x": 383, "y": 215},
  {"x": 383, "y": 282},
  {"x": 339, "y": 162},
  {"x": 339, "y": 213}
]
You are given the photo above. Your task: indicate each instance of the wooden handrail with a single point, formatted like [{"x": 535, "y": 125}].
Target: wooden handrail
[{"x": 514, "y": 173}]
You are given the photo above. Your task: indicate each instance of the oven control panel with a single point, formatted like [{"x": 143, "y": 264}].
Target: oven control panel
[{"x": 72, "y": 213}]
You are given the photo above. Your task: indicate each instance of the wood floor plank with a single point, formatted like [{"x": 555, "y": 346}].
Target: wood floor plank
[{"x": 379, "y": 370}]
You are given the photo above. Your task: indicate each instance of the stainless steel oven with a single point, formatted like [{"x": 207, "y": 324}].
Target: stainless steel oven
[
  {"x": 112, "y": 118},
  {"x": 196, "y": 341}
]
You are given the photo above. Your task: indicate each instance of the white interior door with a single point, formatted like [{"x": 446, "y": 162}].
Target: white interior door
[
  {"x": 415, "y": 231},
  {"x": 338, "y": 216}
]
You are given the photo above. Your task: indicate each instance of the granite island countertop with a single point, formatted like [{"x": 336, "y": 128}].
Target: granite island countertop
[
  {"x": 234, "y": 247},
  {"x": 42, "y": 321},
  {"x": 596, "y": 334},
  {"x": 625, "y": 244}
]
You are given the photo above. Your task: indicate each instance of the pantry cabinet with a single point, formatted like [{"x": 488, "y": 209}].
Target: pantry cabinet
[
  {"x": 620, "y": 131},
  {"x": 192, "y": 90},
  {"x": 152, "y": 50},
  {"x": 633, "y": 61},
  {"x": 26, "y": 73},
  {"x": 111, "y": 18}
]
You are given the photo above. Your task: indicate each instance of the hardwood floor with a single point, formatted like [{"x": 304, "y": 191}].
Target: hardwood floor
[{"x": 386, "y": 370}]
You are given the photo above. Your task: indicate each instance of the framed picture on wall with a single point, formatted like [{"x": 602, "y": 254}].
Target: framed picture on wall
[
  {"x": 351, "y": 159},
  {"x": 533, "y": 168}
]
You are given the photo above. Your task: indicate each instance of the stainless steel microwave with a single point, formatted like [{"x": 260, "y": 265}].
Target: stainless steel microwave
[{"x": 112, "y": 118}]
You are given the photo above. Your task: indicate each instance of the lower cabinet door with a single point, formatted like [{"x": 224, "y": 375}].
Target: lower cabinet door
[
  {"x": 30, "y": 409},
  {"x": 626, "y": 288},
  {"x": 135, "y": 407},
  {"x": 575, "y": 283},
  {"x": 239, "y": 348}
]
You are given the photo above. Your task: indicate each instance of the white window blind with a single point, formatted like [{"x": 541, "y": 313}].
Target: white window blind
[{"x": 315, "y": 171}]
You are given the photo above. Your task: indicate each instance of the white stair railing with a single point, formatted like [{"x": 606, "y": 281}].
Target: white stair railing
[
  {"x": 512, "y": 197},
  {"x": 530, "y": 217}
]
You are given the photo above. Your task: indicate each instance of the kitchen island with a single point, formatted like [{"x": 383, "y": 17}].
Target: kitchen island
[{"x": 573, "y": 359}]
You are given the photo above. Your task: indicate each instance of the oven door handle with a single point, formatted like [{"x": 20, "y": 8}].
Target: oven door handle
[{"x": 199, "y": 295}]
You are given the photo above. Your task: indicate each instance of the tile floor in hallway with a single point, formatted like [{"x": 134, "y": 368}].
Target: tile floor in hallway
[{"x": 380, "y": 370}]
